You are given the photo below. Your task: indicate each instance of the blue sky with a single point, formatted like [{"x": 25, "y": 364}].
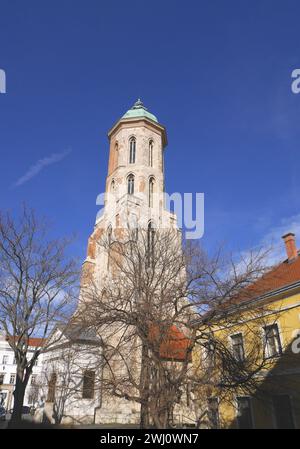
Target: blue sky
[{"x": 216, "y": 73}]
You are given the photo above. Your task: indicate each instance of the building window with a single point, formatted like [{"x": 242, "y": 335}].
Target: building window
[
  {"x": 109, "y": 239},
  {"x": 14, "y": 361},
  {"x": 33, "y": 380},
  {"x": 88, "y": 384},
  {"x": 5, "y": 360},
  {"x": 209, "y": 353},
  {"x": 244, "y": 414},
  {"x": 151, "y": 153},
  {"x": 1, "y": 378},
  {"x": 150, "y": 243},
  {"x": 151, "y": 190},
  {"x": 283, "y": 412},
  {"x": 238, "y": 347},
  {"x": 112, "y": 186},
  {"x": 12, "y": 379},
  {"x": 272, "y": 347},
  {"x": 52, "y": 387},
  {"x": 132, "y": 146},
  {"x": 213, "y": 413},
  {"x": 130, "y": 185}
]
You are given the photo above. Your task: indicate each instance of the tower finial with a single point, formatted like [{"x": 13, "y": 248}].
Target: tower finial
[{"x": 139, "y": 105}]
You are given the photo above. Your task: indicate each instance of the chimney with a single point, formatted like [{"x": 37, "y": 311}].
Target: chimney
[{"x": 290, "y": 246}]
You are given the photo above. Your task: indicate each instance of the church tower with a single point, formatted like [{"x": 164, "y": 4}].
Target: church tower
[
  {"x": 134, "y": 193},
  {"x": 134, "y": 197}
]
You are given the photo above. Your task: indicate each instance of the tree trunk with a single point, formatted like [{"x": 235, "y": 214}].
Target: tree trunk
[
  {"x": 19, "y": 393},
  {"x": 145, "y": 382}
]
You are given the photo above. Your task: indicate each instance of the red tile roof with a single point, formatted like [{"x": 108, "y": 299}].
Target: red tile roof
[
  {"x": 173, "y": 346},
  {"x": 284, "y": 274},
  {"x": 33, "y": 341}
]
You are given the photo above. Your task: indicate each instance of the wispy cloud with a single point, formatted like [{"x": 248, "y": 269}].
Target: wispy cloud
[
  {"x": 273, "y": 237},
  {"x": 40, "y": 165},
  {"x": 272, "y": 243}
]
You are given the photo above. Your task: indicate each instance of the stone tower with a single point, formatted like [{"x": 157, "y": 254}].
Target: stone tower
[
  {"x": 133, "y": 195},
  {"x": 134, "y": 190}
]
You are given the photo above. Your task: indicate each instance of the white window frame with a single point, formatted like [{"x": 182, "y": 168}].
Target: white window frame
[
  {"x": 231, "y": 344},
  {"x": 12, "y": 375},
  {"x": 266, "y": 349}
]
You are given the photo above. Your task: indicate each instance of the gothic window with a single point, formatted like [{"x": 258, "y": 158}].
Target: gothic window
[
  {"x": 151, "y": 153},
  {"x": 132, "y": 146},
  {"x": 109, "y": 236},
  {"x": 150, "y": 243},
  {"x": 88, "y": 384},
  {"x": 130, "y": 185},
  {"x": 151, "y": 189}
]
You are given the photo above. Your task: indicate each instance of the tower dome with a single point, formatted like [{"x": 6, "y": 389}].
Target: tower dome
[{"x": 139, "y": 110}]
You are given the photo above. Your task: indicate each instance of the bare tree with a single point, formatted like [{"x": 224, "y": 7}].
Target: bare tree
[
  {"x": 37, "y": 283},
  {"x": 157, "y": 307}
]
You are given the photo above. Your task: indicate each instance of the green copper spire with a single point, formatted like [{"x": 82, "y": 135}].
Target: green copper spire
[{"x": 139, "y": 110}]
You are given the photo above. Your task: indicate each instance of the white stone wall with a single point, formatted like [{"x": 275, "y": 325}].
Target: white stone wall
[{"x": 69, "y": 360}]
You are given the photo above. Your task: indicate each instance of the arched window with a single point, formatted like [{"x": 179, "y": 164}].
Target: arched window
[
  {"x": 150, "y": 243},
  {"x": 130, "y": 185},
  {"x": 151, "y": 189},
  {"x": 151, "y": 153},
  {"x": 112, "y": 186},
  {"x": 132, "y": 145},
  {"x": 109, "y": 236},
  {"x": 116, "y": 156}
]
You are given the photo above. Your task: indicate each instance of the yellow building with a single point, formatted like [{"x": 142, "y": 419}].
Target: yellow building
[{"x": 265, "y": 334}]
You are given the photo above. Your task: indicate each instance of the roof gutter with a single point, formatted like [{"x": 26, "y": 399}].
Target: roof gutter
[{"x": 248, "y": 303}]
